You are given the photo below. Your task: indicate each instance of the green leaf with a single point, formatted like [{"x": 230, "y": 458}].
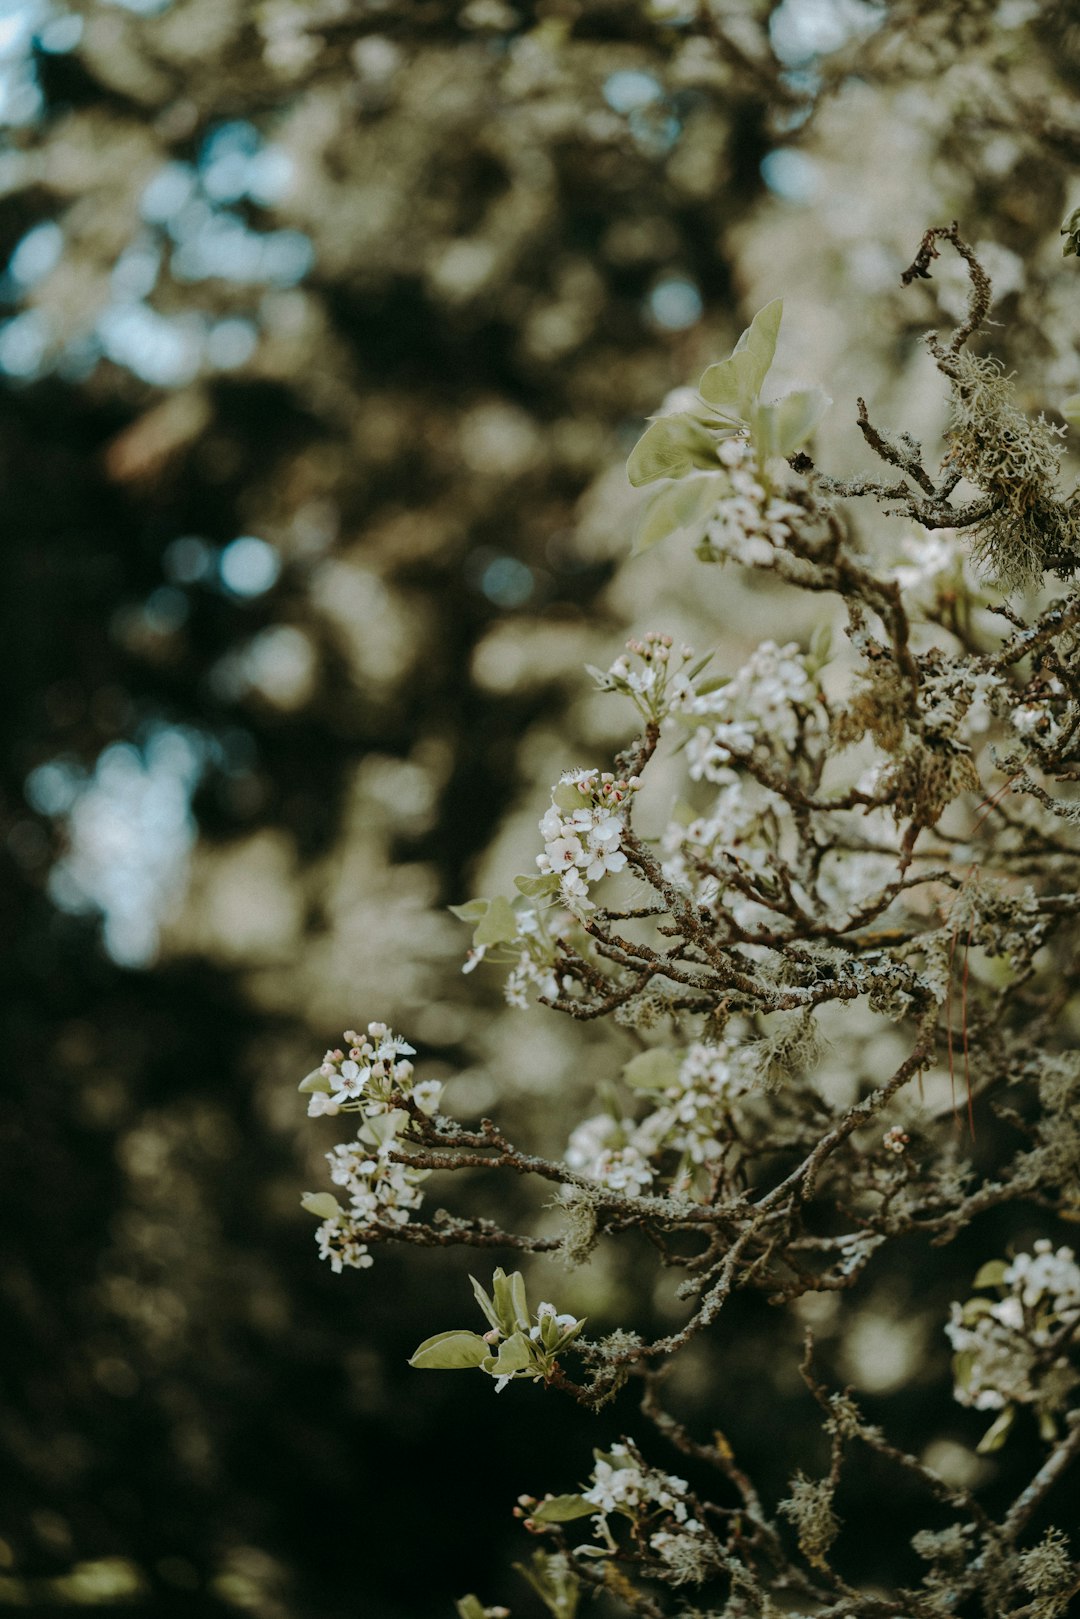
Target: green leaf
[
  {"x": 521, "y": 1303},
  {"x": 820, "y": 647},
  {"x": 997, "y": 1433},
  {"x": 498, "y": 925},
  {"x": 511, "y": 1306},
  {"x": 758, "y": 341},
  {"x": 779, "y": 429},
  {"x": 554, "y": 1582},
  {"x": 732, "y": 386},
  {"x": 652, "y": 1070},
  {"x": 1071, "y": 408},
  {"x": 963, "y": 1367},
  {"x": 533, "y": 887},
  {"x": 670, "y": 447},
  {"x": 485, "y": 1304},
  {"x": 992, "y": 1274},
  {"x": 679, "y": 508},
  {"x": 381, "y": 1126},
  {"x": 563, "y": 1509},
  {"x": 324, "y": 1205},
  {"x": 451, "y": 1352},
  {"x": 515, "y": 1355},
  {"x": 315, "y": 1082},
  {"x": 472, "y": 910},
  {"x": 569, "y": 798},
  {"x": 566, "y": 1338},
  {"x": 470, "y": 1607}
]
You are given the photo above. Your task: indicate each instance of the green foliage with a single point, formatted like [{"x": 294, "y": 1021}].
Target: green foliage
[
  {"x": 514, "y": 1346},
  {"x": 554, "y": 1581}
]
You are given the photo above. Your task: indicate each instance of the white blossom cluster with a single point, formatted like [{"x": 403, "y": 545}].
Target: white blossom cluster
[
  {"x": 620, "y": 1483},
  {"x": 614, "y": 1152},
  {"x": 535, "y": 966},
  {"x": 695, "y": 1118},
  {"x": 583, "y": 831},
  {"x": 366, "y": 1077},
  {"x": 740, "y": 830},
  {"x": 933, "y": 562},
  {"x": 753, "y": 522},
  {"x": 771, "y": 703},
  {"x": 370, "y": 1077},
  {"x": 1004, "y": 1349},
  {"x": 692, "y": 1118},
  {"x": 653, "y": 676}
]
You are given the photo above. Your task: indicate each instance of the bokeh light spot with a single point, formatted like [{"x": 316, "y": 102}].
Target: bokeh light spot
[
  {"x": 675, "y": 304},
  {"x": 248, "y": 566}
]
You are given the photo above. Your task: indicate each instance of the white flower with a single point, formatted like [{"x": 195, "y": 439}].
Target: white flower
[
  {"x": 564, "y": 852},
  {"x": 320, "y": 1104},
  {"x": 427, "y": 1095},
  {"x": 604, "y": 861}
]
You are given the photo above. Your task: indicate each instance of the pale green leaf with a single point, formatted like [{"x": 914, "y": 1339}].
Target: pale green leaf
[
  {"x": 670, "y": 447},
  {"x": 472, "y": 911},
  {"x": 381, "y": 1126},
  {"x": 485, "y": 1304},
  {"x": 315, "y": 1081},
  {"x": 324, "y": 1205},
  {"x": 727, "y": 388},
  {"x": 652, "y": 1070},
  {"x": 780, "y": 429},
  {"x": 759, "y": 339},
  {"x": 569, "y": 798},
  {"x": 498, "y": 925},
  {"x": 470, "y": 1607},
  {"x": 521, "y": 1303},
  {"x": 997, "y": 1433},
  {"x": 563, "y": 1509},
  {"x": 732, "y": 386},
  {"x": 533, "y": 887},
  {"x": 515, "y": 1355},
  {"x": 1071, "y": 408},
  {"x": 679, "y": 508},
  {"x": 992, "y": 1274},
  {"x": 566, "y": 1338},
  {"x": 963, "y": 1367},
  {"x": 450, "y": 1352},
  {"x": 511, "y": 1307}
]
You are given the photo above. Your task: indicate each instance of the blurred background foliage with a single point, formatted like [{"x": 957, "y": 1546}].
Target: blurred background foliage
[{"x": 325, "y": 327}]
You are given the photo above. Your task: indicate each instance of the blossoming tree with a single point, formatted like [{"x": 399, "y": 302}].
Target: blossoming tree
[{"x": 852, "y": 826}]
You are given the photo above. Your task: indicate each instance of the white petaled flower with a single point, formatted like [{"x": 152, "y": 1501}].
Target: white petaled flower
[
  {"x": 752, "y": 523},
  {"x": 582, "y": 841},
  {"x": 427, "y": 1095},
  {"x": 694, "y": 1115},
  {"x": 351, "y": 1080},
  {"x": 373, "y": 1079},
  {"x": 562, "y": 852},
  {"x": 1005, "y": 1350},
  {"x": 623, "y": 1484},
  {"x": 934, "y": 558},
  {"x": 769, "y": 704},
  {"x": 320, "y": 1105},
  {"x": 653, "y": 676},
  {"x": 608, "y": 1150}
]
